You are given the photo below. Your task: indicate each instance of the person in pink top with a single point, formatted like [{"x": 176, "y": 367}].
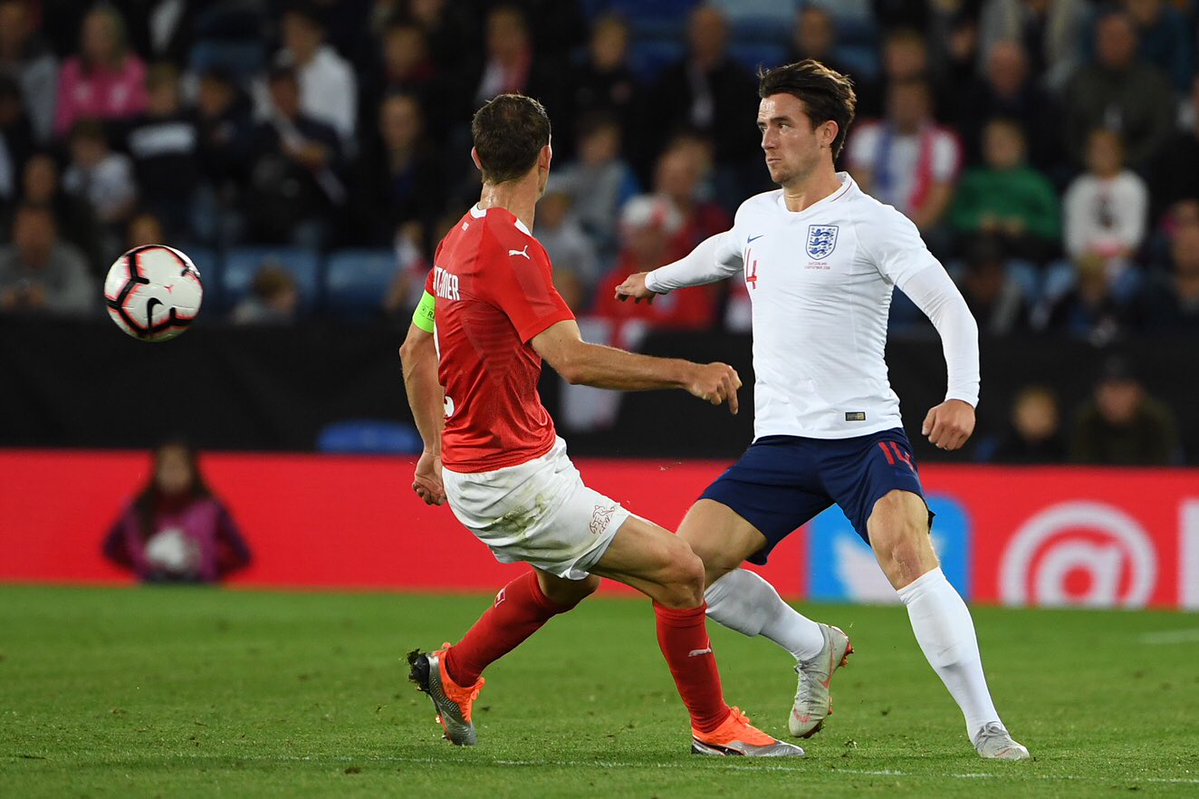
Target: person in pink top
[
  {"x": 175, "y": 530},
  {"x": 105, "y": 81}
]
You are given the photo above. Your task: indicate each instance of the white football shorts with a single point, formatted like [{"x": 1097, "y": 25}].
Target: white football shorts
[{"x": 538, "y": 512}]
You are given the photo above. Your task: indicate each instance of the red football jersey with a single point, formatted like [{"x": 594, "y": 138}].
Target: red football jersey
[{"x": 495, "y": 293}]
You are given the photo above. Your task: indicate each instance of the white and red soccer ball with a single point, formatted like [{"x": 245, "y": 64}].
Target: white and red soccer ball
[{"x": 153, "y": 293}]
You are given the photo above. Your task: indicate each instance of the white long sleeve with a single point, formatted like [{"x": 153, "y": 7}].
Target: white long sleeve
[
  {"x": 936, "y": 295},
  {"x": 716, "y": 258}
]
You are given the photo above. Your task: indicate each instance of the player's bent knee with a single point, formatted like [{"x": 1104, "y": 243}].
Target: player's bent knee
[
  {"x": 567, "y": 593},
  {"x": 682, "y": 580}
]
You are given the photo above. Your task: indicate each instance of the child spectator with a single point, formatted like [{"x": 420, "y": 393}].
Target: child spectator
[
  {"x": 605, "y": 83},
  {"x": 1088, "y": 310},
  {"x": 224, "y": 137},
  {"x": 77, "y": 222},
  {"x": 1007, "y": 199},
  {"x": 164, "y": 144},
  {"x": 175, "y": 530},
  {"x": 600, "y": 182},
  {"x": 328, "y": 88},
  {"x": 1107, "y": 208},
  {"x": 576, "y": 266},
  {"x": 1035, "y": 431},
  {"x": 105, "y": 81},
  {"x": 993, "y": 295},
  {"x": 273, "y": 299},
  {"x": 97, "y": 174},
  {"x": 679, "y": 176},
  {"x": 1171, "y": 303}
]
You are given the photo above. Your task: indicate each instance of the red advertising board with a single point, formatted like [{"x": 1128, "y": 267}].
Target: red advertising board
[{"x": 1038, "y": 536}]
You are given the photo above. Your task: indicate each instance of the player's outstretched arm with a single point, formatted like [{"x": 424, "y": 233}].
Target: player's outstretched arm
[
  {"x": 716, "y": 258},
  {"x": 582, "y": 363},
  {"x": 418, "y": 354}
]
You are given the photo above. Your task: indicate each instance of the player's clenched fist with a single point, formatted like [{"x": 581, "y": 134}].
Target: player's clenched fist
[
  {"x": 634, "y": 286},
  {"x": 949, "y": 424},
  {"x": 715, "y": 383},
  {"x": 427, "y": 480}
]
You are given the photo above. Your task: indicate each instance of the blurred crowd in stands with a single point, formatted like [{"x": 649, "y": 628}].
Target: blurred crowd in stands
[{"x": 310, "y": 155}]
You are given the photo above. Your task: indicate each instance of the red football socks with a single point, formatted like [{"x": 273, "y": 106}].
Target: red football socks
[
  {"x": 519, "y": 611},
  {"x": 683, "y": 636}
]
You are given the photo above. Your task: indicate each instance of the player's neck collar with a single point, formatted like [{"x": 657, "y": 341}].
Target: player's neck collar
[{"x": 847, "y": 183}]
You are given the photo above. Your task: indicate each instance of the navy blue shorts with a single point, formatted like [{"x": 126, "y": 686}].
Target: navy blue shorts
[{"x": 782, "y": 482}]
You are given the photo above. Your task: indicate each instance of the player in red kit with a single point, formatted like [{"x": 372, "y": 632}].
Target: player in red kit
[{"x": 492, "y": 453}]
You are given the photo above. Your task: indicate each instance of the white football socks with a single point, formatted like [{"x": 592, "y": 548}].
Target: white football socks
[
  {"x": 945, "y": 633},
  {"x": 743, "y": 601}
]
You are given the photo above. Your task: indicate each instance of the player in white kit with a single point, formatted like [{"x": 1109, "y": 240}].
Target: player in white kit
[{"x": 820, "y": 259}]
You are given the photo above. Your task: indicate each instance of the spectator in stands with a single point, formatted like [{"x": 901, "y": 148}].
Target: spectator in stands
[
  {"x": 599, "y": 182},
  {"x": 16, "y": 139},
  {"x": 274, "y": 298},
  {"x": 164, "y": 144},
  {"x": 1175, "y": 172},
  {"x": 1051, "y": 32},
  {"x": 907, "y": 160},
  {"x": 1171, "y": 302},
  {"x": 709, "y": 92},
  {"x": 576, "y": 264},
  {"x": 1034, "y": 435},
  {"x": 328, "y": 88},
  {"x": 97, "y": 174},
  {"x": 175, "y": 530},
  {"x": 905, "y": 57},
  {"x": 649, "y": 224},
  {"x": 1167, "y": 39},
  {"x": 1106, "y": 208},
  {"x": 26, "y": 58},
  {"x": 993, "y": 295},
  {"x": 815, "y": 36},
  {"x": 405, "y": 67},
  {"x": 511, "y": 63},
  {"x": 680, "y": 175},
  {"x": 398, "y": 176},
  {"x": 1090, "y": 309},
  {"x": 604, "y": 83},
  {"x": 224, "y": 137},
  {"x": 1120, "y": 93},
  {"x": 1122, "y": 425},
  {"x": 38, "y": 273},
  {"x": 450, "y": 29},
  {"x": 295, "y": 186},
  {"x": 105, "y": 81},
  {"x": 1008, "y": 199},
  {"x": 76, "y": 220},
  {"x": 1007, "y": 89},
  {"x": 144, "y": 230}
]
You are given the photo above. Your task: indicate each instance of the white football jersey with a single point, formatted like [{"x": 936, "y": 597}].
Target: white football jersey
[{"x": 820, "y": 283}]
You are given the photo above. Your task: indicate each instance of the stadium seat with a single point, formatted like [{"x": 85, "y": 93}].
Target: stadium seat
[
  {"x": 243, "y": 263},
  {"x": 651, "y": 56},
  {"x": 752, "y": 56},
  {"x": 664, "y": 18},
  {"x": 357, "y": 281},
  {"x": 369, "y": 437},
  {"x": 860, "y": 61}
]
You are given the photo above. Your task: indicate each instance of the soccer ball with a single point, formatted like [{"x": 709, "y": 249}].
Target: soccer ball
[{"x": 153, "y": 293}]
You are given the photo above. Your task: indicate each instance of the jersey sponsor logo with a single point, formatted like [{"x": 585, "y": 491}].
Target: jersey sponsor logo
[
  {"x": 822, "y": 240},
  {"x": 1081, "y": 553},
  {"x": 445, "y": 284},
  {"x": 524, "y": 252}
]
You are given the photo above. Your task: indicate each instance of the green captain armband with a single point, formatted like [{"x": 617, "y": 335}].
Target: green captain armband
[{"x": 422, "y": 317}]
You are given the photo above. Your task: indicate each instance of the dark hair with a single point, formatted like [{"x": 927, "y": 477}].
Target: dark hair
[
  {"x": 146, "y": 503},
  {"x": 508, "y": 133},
  {"x": 827, "y": 95},
  {"x": 89, "y": 130}
]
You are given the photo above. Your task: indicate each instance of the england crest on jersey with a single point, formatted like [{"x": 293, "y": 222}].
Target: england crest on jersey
[{"x": 822, "y": 239}]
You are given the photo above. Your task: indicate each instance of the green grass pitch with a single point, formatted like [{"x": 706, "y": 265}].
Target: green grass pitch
[{"x": 186, "y": 692}]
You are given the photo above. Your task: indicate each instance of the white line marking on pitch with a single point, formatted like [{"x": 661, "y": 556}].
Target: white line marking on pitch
[{"x": 1171, "y": 637}]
